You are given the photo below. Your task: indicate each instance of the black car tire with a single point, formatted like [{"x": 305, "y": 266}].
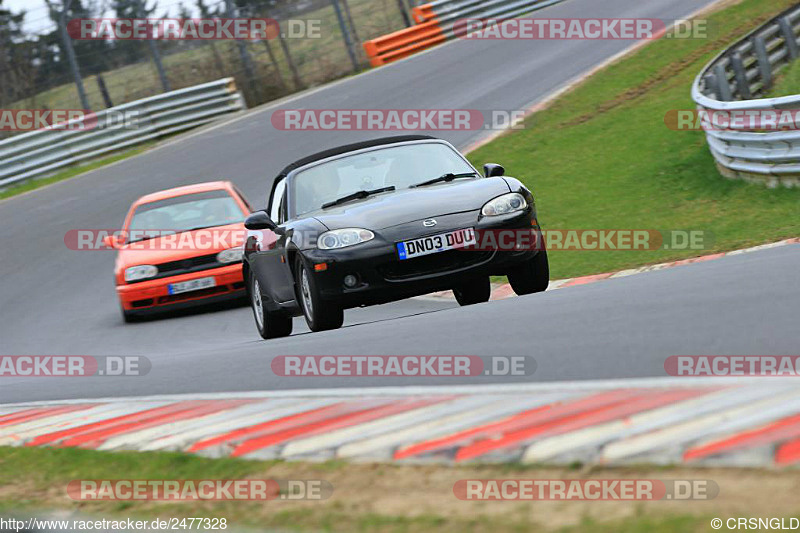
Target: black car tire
[
  {"x": 475, "y": 291},
  {"x": 320, "y": 315},
  {"x": 270, "y": 325},
  {"x": 531, "y": 276}
]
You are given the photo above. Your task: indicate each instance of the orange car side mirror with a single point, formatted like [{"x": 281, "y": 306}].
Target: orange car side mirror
[{"x": 112, "y": 241}]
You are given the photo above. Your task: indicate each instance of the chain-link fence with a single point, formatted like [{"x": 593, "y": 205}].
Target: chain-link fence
[{"x": 319, "y": 40}]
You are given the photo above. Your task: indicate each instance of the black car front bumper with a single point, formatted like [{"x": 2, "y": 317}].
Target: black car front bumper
[{"x": 382, "y": 277}]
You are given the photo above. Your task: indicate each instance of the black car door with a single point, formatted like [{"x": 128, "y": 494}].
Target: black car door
[{"x": 270, "y": 262}]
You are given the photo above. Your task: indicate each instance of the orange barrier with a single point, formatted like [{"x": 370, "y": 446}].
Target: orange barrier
[
  {"x": 423, "y": 13},
  {"x": 404, "y": 43}
]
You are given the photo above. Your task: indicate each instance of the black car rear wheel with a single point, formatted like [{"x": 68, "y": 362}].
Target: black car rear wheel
[
  {"x": 475, "y": 291},
  {"x": 320, "y": 314},
  {"x": 531, "y": 276},
  {"x": 269, "y": 324}
]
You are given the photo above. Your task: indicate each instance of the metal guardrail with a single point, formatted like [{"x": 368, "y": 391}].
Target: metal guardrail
[
  {"x": 447, "y": 12},
  {"x": 732, "y": 82},
  {"x": 40, "y": 152},
  {"x": 436, "y": 23}
]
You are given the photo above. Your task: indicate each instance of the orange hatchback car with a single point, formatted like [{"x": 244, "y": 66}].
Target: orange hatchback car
[{"x": 181, "y": 247}]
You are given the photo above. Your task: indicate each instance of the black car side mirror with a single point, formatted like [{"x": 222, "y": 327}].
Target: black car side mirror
[
  {"x": 493, "y": 169},
  {"x": 260, "y": 220}
]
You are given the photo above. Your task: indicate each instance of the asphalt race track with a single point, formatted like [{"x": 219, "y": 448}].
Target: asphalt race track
[
  {"x": 617, "y": 328},
  {"x": 58, "y": 301}
]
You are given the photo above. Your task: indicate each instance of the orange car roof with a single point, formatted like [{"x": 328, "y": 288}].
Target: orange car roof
[{"x": 186, "y": 189}]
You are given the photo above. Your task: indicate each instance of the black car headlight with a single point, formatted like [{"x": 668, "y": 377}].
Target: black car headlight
[
  {"x": 502, "y": 205},
  {"x": 342, "y": 238}
]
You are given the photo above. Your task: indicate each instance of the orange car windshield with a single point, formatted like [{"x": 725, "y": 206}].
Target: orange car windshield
[{"x": 186, "y": 213}]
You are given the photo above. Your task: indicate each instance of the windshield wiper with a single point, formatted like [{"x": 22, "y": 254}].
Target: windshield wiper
[
  {"x": 358, "y": 195},
  {"x": 196, "y": 228},
  {"x": 444, "y": 177},
  {"x": 145, "y": 237}
]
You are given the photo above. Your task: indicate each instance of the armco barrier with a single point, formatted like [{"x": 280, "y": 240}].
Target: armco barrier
[
  {"x": 423, "y": 13},
  {"x": 435, "y": 23},
  {"x": 403, "y": 43},
  {"x": 731, "y": 81},
  {"x": 36, "y": 153}
]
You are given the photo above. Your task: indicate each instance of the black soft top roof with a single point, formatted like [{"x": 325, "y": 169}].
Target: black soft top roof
[{"x": 351, "y": 148}]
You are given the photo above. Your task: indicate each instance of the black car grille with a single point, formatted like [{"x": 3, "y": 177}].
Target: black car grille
[{"x": 439, "y": 263}]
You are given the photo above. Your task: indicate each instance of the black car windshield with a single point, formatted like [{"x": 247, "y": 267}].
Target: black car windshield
[
  {"x": 398, "y": 166},
  {"x": 186, "y": 212}
]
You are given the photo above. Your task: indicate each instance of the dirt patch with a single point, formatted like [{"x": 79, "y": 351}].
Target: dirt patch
[{"x": 419, "y": 493}]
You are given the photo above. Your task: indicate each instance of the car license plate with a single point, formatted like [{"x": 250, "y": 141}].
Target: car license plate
[
  {"x": 192, "y": 285},
  {"x": 436, "y": 243}
]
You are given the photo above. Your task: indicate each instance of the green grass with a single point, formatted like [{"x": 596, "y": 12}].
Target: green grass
[
  {"x": 602, "y": 157},
  {"x": 787, "y": 82},
  {"x": 679, "y": 523},
  {"x": 71, "y": 172},
  {"x": 44, "y": 466},
  {"x": 34, "y": 480}
]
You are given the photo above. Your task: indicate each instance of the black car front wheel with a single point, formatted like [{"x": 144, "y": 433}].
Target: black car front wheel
[
  {"x": 531, "y": 276},
  {"x": 320, "y": 314},
  {"x": 269, "y": 324},
  {"x": 475, "y": 291}
]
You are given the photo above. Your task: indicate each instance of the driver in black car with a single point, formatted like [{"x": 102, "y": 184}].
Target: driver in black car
[{"x": 314, "y": 192}]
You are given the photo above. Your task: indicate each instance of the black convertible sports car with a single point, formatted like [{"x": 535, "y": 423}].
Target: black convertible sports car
[{"x": 379, "y": 221}]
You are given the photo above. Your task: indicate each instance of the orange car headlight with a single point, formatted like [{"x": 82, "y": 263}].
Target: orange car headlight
[
  {"x": 140, "y": 272},
  {"x": 231, "y": 255}
]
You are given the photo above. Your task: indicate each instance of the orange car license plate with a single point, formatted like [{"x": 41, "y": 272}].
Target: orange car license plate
[{"x": 192, "y": 285}]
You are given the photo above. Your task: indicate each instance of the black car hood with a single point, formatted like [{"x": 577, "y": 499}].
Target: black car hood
[{"x": 406, "y": 205}]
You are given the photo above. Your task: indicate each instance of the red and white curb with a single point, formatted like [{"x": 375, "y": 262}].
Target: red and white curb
[
  {"x": 696, "y": 421},
  {"x": 503, "y": 291}
]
